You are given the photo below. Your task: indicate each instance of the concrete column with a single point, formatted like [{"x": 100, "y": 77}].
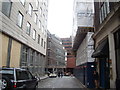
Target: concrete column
[
  {"x": 28, "y": 59},
  {"x": 21, "y": 55},
  {"x": 40, "y": 64},
  {"x": 34, "y": 62},
  {"x": 9, "y": 52},
  {"x": 0, "y": 46},
  {"x": 113, "y": 59}
]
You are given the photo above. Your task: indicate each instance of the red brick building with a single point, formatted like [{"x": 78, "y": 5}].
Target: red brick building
[{"x": 67, "y": 43}]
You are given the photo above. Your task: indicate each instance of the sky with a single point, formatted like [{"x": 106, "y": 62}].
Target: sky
[{"x": 60, "y": 17}]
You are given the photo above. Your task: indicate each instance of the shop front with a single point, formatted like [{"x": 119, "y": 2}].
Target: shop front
[{"x": 101, "y": 53}]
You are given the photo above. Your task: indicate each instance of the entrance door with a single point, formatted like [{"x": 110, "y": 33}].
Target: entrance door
[
  {"x": 117, "y": 53},
  {"x": 104, "y": 73},
  {"x": 105, "y": 68}
]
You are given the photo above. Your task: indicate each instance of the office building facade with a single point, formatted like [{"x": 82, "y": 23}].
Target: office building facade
[
  {"x": 55, "y": 54},
  {"x": 70, "y": 62},
  {"x": 24, "y": 34}
]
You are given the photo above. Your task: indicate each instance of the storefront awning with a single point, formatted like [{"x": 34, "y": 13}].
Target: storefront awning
[{"x": 102, "y": 50}]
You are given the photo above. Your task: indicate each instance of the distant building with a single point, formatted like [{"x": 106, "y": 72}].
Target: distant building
[
  {"x": 107, "y": 42},
  {"x": 23, "y": 34},
  {"x": 55, "y": 54},
  {"x": 70, "y": 63},
  {"x": 83, "y": 44}
]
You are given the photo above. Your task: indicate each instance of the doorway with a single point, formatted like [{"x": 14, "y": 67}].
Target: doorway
[
  {"x": 104, "y": 70},
  {"x": 117, "y": 53}
]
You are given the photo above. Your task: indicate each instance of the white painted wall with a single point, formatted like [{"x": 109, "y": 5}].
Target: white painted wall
[{"x": 85, "y": 50}]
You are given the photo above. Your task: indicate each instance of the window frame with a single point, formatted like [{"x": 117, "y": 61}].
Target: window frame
[
  {"x": 23, "y": 73},
  {"x": 29, "y": 28},
  {"x": 37, "y": 3},
  {"x": 40, "y": 24},
  {"x": 40, "y": 11},
  {"x": 32, "y": 54},
  {"x": 42, "y": 42},
  {"x": 35, "y": 18},
  {"x": 19, "y": 20},
  {"x": 30, "y": 11},
  {"x": 104, "y": 10},
  {"x": 24, "y": 56},
  {"x": 23, "y": 3},
  {"x": 38, "y": 38},
  {"x": 9, "y": 8},
  {"x": 34, "y": 37},
  {"x": 42, "y": 29}
]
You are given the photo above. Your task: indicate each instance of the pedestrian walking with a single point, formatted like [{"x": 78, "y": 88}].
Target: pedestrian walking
[
  {"x": 96, "y": 78},
  {"x": 59, "y": 73}
]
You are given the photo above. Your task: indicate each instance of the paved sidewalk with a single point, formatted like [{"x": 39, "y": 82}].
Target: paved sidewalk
[{"x": 43, "y": 77}]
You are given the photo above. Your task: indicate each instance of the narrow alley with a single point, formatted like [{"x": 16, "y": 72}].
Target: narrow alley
[
  {"x": 64, "y": 82},
  {"x": 59, "y": 44}
]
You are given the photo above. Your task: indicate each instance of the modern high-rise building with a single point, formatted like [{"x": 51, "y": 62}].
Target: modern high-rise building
[
  {"x": 23, "y": 33},
  {"x": 83, "y": 44},
  {"x": 70, "y": 62},
  {"x": 55, "y": 54}
]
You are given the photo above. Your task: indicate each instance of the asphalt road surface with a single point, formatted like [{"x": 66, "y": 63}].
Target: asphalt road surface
[{"x": 64, "y": 82}]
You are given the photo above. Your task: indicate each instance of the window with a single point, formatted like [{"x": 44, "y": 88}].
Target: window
[
  {"x": 22, "y": 75},
  {"x": 44, "y": 4},
  {"x": 24, "y": 56},
  {"x": 34, "y": 34},
  {"x": 38, "y": 39},
  {"x": 8, "y": 73},
  {"x": 20, "y": 19},
  {"x": 68, "y": 47},
  {"x": 42, "y": 42},
  {"x": 40, "y": 11},
  {"x": 37, "y": 3},
  {"x": 39, "y": 24},
  {"x": 104, "y": 10},
  {"x": 6, "y": 7},
  {"x": 30, "y": 9},
  {"x": 28, "y": 28},
  {"x": 42, "y": 29},
  {"x": 35, "y": 19},
  {"x": 23, "y": 2},
  {"x": 43, "y": 16},
  {"x": 29, "y": 75},
  {"x": 31, "y": 57}
]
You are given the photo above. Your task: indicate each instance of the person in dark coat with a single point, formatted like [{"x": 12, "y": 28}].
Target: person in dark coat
[
  {"x": 59, "y": 73},
  {"x": 96, "y": 77}
]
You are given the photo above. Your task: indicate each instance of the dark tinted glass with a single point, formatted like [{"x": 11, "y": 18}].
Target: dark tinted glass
[
  {"x": 7, "y": 73},
  {"x": 6, "y": 7},
  {"x": 22, "y": 75}
]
